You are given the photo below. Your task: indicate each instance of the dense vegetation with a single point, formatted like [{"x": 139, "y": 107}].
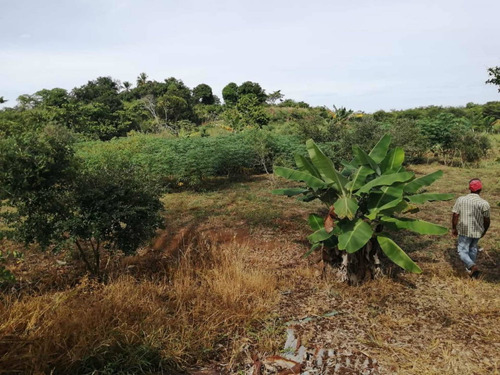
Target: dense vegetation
[{"x": 105, "y": 108}]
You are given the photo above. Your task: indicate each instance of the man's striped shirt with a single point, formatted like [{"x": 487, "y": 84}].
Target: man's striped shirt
[{"x": 471, "y": 210}]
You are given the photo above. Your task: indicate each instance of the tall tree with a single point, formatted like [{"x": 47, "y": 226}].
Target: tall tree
[
  {"x": 52, "y": 98},
  {"x": 248, "y": 87},
  {"x": 202, "y": 94},
  {"x": 127, "y": 86},
  {"x": 230, "y": 94},
  {"x": 102, "y": 90},
  {"x": 142, "y": 79},
  {"x": 275, "y": 96}
]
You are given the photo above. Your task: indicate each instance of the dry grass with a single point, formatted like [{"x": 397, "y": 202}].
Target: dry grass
[
  {"x": 440, "y": 322},
  {"x": 184, "y": 317},
  {"x": 228, "y": 273}
]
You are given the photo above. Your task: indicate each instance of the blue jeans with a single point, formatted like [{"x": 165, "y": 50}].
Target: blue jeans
[{"x": 467, "y": 250}]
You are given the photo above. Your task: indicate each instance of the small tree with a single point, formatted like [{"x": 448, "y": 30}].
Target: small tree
[
  {"x": 57, "y": 201},
  {"x": 112, "y": 209},
  {"x": 494, "y": 73},
  {"x": 251, "y": 111},
  {"x": 368, "y": 198}
]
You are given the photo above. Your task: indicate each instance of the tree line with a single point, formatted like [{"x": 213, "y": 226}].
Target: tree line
[{"x": 104, "y": 108}]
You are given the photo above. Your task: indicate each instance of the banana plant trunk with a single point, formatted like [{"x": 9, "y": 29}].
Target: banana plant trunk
[{"x": 353, "y": 268}]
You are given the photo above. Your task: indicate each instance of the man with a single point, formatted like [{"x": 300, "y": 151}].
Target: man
[{"x": 470, "y": 221}]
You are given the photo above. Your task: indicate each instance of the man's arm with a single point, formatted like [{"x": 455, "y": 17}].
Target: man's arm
[
  {"x": 454, "y": 222},
  {"x": 486, "y": 225}
]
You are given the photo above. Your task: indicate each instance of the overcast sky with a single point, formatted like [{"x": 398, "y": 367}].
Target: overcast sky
[{"x": 361, "y": 54}]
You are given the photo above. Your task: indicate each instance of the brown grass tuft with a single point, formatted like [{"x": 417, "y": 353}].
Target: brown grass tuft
[{"x": 209, "y": 297}]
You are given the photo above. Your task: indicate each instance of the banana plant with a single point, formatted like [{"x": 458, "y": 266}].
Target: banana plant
[{"x": 367, "y": 199}]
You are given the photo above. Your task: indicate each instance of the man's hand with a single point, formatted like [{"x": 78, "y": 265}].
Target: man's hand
[
  {"x": 486, "y": 225},
  {"x": 454, "y": 222}
]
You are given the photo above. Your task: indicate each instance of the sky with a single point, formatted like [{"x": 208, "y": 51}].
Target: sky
[{"x": 361, "y": 54}]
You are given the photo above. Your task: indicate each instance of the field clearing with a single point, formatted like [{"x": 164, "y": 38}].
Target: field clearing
[
  {"x": 437, "y": 322},
  {"x": 218, "y": 285}
]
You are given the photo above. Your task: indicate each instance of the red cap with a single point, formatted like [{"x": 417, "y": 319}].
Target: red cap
[{"x": 475, "y": 185}]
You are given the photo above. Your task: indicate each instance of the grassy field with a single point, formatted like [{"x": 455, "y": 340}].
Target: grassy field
[{"x": 218, "y": 285}]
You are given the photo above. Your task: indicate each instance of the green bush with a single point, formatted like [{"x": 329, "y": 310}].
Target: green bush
[
  {"x": 407, "y": 134},
  {"x": 57, "y": 200},
  {"x": 170, "y": 162},
  {"x": 470, "y": 146}
]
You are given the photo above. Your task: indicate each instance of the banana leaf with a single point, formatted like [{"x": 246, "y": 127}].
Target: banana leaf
[
  {"x": 346, "y": 207},
  {"x": 320, "y": 235},
  {"x": 307, "y": 198},
  {"x": 386, "y": 180},
  {"x": 413, "y": 186},
  {"x": 379, "y": 152},
  {"x": 354, "y": 235},
  {"x": 348, "y": 168},
  {"x": 402, "y": 207},
  {"x": 292, "y": 174},
  {"x": 429, "y": 197},
  {"x": 304, "y": 164},
  {"x": 393, "y": 161},
  {"x": 396, "y": 254},
  {"x": 358, "y": 178},
  {"x": 325, "y": 166},
  {"x": 315, "y": 222},
  {"x": 363, "y": 159},
  {"x": 418, "y": 226},
  {"x": 388, "y": 197},
  {"x": 290, "y": 192}
]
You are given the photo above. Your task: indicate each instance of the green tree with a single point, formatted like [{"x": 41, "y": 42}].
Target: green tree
[
  {"x": 202, "y": 94},
  {"x": 252, "y": 88},
  {"x": 206, "y": 113},
  {"x": 142, "y": 79},
  {"x": 292, "y": 103},
  {"x": 57, "y": 200},
  {"x": 127, "y": 86},
  {"x": 173, "y": 108},
  {"x": 274, "y": 97},
  {"x": 103, "y": 90},
  {"x": 251, "y": 111},
  {"x": 230, "y": 94},
  {"x": 494, "y": 73},
  {"x": 52, "y": 98},
  {"x": 366, "y": 200}
]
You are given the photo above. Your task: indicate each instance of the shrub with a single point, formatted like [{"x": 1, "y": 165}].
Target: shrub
[
  {"x": 408, "y": 135},
  {"x": 58, "y": 200},
  {"x": 471, "y": 146},
  {"x": 441, "y": 130}
]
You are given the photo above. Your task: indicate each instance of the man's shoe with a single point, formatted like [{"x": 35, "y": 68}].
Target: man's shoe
[{"x": 474, "y": 272}]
